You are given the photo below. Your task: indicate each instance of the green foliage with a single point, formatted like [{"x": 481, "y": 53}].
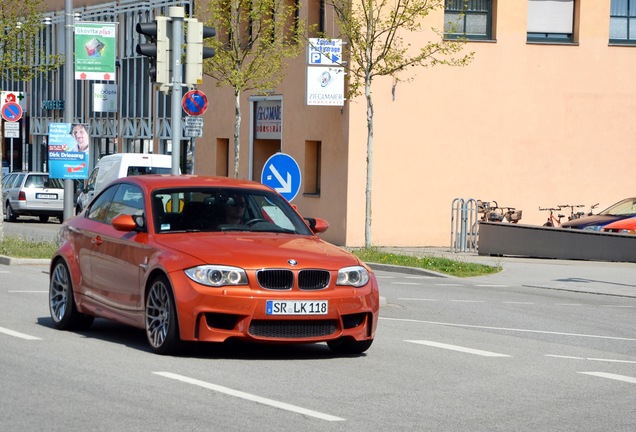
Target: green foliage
[
  {"x": 254, "y": 37},
  {"x": 20, "y": 59},
  {"x": 19, "y": 247},
  {"x": 374, "y": 30},
  {"x": 437, "y": 264}
]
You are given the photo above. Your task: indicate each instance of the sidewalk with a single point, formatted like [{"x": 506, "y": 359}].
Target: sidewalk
[{"x": 591, "y": 277}]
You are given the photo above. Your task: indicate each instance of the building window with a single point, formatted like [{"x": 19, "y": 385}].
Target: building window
[
  {"x": 623, "y": 21},
  {"x": 316, "y": 18},
  {"x": 311, "y": 177},
  {"x": 222, "y": 167},
  {"x": 551, "y": 21},
  {"x": 471, "y": 19}
]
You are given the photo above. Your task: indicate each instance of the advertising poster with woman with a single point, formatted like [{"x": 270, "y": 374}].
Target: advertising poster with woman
[{"x": 69, "y": 146}]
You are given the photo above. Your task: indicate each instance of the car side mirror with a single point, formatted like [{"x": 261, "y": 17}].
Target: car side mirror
[
  {"x": 317, "y": 225},
  {"x": 128, "y": 223}
]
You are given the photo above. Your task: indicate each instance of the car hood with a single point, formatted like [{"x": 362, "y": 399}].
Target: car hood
[
  {"x": 254, "y": 251},
  {"x": 594, "y": 220}
]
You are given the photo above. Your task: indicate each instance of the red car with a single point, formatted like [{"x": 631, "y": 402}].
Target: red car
[
  {"x": 623, "y": 226},
  {"x": 190, "y": 258}
]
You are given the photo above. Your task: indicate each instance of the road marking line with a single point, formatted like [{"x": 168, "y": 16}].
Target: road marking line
[
  {"x": 416, "y": 299},
  {"x": 592, "y": 359},
  {"x": 623, "y": 378},
  {"x": 569, "y": 304},
  {"x": 27, "y": 292},
  {"x": 18, "y": 334},
  {"x": 509, "y": 329},
  {"x": 457, "y": 348},
  {"x": 250, "y": 397},
  {"x": 618, "y": 306}
]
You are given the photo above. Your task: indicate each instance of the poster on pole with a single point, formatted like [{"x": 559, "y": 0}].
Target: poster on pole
[
  {"x": 69, "y": 147},
  {"x": 95, "y": 51}
]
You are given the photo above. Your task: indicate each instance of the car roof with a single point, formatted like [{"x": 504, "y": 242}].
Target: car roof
[{"x": 166, "y": 181}]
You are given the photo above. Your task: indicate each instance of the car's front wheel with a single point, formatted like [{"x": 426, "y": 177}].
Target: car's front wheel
[
  {"x": 347, "y": 345},
  {"x": 162, "y": 327},
  {"x": 62, "y": 302},
  {"x": 44, "y": 219}
]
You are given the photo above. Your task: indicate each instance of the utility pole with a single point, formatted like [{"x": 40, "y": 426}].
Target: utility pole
[
  {"x": 69, "y": 93},
  {"x": 176, "y": 14}
]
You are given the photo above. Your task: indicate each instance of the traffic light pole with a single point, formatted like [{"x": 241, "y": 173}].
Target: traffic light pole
[
  {"x": 177, "y": 14},
  {"x": 69, "y": 94}
]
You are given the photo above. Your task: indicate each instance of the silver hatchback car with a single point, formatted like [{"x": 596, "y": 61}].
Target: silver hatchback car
[{"x": 32, "y": 194}]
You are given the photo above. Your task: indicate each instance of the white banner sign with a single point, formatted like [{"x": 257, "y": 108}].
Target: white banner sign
[
  {"x": 325, "y": 85},
  {"x": 105, "y": 97}
]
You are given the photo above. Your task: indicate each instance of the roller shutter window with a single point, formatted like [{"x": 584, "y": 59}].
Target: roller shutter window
[{"x": 550, "y": 20}]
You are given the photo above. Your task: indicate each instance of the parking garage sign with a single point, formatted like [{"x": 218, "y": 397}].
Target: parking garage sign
[{"x": 324, "y": 52}]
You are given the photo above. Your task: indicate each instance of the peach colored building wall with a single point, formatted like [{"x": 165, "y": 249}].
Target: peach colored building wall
[{"x": 527, "y": 125}]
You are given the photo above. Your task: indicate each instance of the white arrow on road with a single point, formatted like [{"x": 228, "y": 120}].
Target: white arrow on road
[{"x": 285, "y": 185}]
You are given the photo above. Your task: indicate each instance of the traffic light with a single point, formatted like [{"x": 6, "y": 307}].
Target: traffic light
[
  {"x": 157, "y": 49},
  {"x": 195, "y": 51}
]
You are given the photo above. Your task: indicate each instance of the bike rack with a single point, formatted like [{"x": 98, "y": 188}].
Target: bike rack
[{"x": 464, "y": 225}]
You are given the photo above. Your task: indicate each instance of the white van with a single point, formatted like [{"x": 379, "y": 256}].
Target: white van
[{"x": 119, "y": 165}]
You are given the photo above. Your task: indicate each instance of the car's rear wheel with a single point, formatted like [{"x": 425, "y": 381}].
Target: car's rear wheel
[
  {"x": 347, "y": 345},
  {"x": 162, "y": 327},
  {"x": 10, "y": 215},
  {"x": 62, "y": 302},
  {"x": 44, "y": 219}
]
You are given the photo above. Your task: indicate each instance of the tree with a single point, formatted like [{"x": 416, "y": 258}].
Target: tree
[
  {"x": 374, "y": 31},
  {"x": 20, "y": 59},
  {"x": 254, "y": 37}
]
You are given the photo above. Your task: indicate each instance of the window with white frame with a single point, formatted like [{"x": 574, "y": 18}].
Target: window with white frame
[
  {"x": 623, "y": 21},
  {"x": 470, "y": 19},
  {"x": 551, "y": 21}
]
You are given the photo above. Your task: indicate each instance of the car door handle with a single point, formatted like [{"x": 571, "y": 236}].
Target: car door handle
[{"x": 97, "y": 241}]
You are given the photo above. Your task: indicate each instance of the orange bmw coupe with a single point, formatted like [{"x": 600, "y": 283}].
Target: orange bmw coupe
[{"x": 192, "y": 258}]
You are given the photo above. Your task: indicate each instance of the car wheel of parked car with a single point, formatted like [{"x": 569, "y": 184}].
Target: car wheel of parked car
[
  {"x": 349, "y": 346},
  {"x": 162, "y": 328},
  {"x": 44, "y": 219},
  {"x": 10, "y": 215},
  {"x": 62, "y": 302}
]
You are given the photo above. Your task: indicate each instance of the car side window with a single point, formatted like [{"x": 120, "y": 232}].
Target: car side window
[
  {"x": 127, "y": 200},
  {"x": 98, "y": 210}
]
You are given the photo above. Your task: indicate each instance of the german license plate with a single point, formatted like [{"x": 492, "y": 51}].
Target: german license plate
[
  {"x": 45, "y": 196},
  {"x": 297, "y": 307}
]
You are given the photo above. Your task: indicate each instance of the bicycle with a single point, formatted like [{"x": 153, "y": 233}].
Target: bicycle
[
  {"x": 573, "y": 215},
  {"x": 552, "y": 221}
]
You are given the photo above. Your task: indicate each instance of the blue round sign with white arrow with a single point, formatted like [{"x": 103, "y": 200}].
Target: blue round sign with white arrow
[{"x": 282, "y": 173}]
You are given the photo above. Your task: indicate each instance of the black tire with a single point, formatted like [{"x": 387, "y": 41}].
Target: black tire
[
  {"x": 348, "y": 345},
  {"x": 162, "y": 326},
  {"x": 10, "y": 215},
  {"x": 547, "y": 224},
  {"x": 62, "y": 301},
  {"x": 43, "y": 219}
]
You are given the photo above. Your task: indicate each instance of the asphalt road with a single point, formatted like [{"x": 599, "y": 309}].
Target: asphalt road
[{"x": 524, "y": 350}]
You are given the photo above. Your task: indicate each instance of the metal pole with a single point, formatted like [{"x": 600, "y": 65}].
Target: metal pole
[
  {"x": 69, "y": 83},
  {"x": 177, "y": 14}
]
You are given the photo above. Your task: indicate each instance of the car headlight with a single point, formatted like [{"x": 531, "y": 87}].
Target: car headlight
[
  {"x": 356, "y": 276},
  {"x": 217, "y": 276},
  {"x": 593, "y": 228}
]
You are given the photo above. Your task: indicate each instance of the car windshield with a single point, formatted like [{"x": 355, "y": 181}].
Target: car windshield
[
  {"x": 625, "y": 207},
  {"x": 224, "y": 209}
]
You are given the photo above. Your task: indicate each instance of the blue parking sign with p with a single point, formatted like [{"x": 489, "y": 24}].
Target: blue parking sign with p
[{"x": 315, "y": 57}]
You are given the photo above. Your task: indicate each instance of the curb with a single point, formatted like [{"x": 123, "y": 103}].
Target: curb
[
  {"x": 5, "y": 260},
  {"x": 406, "y": 270}
]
